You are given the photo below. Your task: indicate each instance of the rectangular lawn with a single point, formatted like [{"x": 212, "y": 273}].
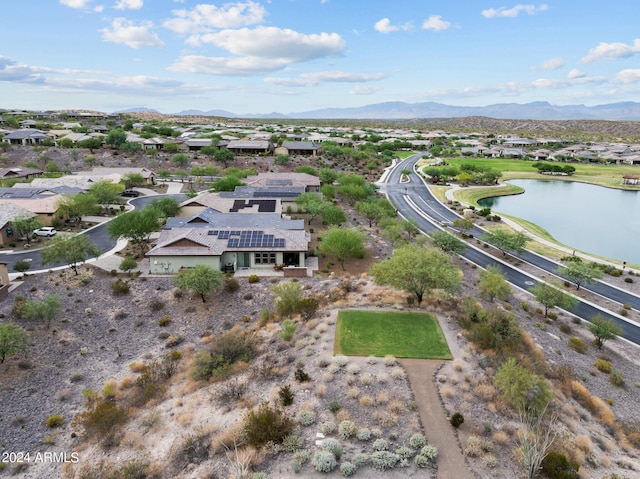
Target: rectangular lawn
[{"x": 378, "y": 333}]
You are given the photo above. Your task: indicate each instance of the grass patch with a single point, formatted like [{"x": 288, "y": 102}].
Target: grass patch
[
  {"x": 471, "y": 196},
  {"x": 380, "y": 333}
]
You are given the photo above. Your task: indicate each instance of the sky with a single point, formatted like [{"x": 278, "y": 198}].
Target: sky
[{"x": 288, "y": 56}]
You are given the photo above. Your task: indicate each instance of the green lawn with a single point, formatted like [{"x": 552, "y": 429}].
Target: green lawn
[{"x": 379, "y": 333}]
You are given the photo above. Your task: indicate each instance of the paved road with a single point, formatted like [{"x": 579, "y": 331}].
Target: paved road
[
  {"x": 402, "y": 195},
  {"x": 98, "y": 235}
]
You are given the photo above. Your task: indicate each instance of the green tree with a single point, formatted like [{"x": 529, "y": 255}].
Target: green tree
[
  {"x": 168, "y": 207},
  {"x": 507, "y": 241},
  {"x": 418, "y": 270},
  {"x": 45, "y": 310},
  {"x": 136, "y": 226},
  {"x": 106, "y": 193},
  {"x": 128, "y": 263},
  {"x": 463, "y": 224},
  {"x": 552, "y": 295},
  {"x": 580, "y": 273},
  {"x": 76, "y": 206},
  {"x": 115, "y": 138},
  {"x": 525, "y": 390},
  {"x": 603, "y": 329},
  {"x": 343, "y": 243},
  {"x": 71, "y": 250},
  {"x": 171, "y": 147},
  {"x": 371, "y": 211},
  {"x": 130, "y": 146},
  {"x": 13, "y": 340},
  {"x": 91, "y": 144},
  {"x": 282, "y": 159},
  {"x": 447, "y": 242},
  {"x": 226, "y": 183},
  {"x": 333, "y": 214},
  {"x": 312, "y": 204},
  {"x": 223, "y": 156},
  {"x": 327, "y": 175},
  {"x": 23, "y": 225},
  {"x": 134, "y": 179},
  {"x": 492, "y": 284},
  {"x": 202, "y": 280},
  {"x": 181, "y": 160}
]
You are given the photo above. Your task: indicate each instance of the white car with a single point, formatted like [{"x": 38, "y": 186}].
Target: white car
[{"x": 45, "y": 231}]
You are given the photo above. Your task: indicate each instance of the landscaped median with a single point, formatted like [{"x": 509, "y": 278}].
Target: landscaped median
[{"x": 382, "y": 333}]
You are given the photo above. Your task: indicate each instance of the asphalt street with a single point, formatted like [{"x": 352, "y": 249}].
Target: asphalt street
[{"x": 432, "y": 212}]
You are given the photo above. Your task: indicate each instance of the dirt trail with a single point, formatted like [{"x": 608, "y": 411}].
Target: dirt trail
[{"x": 451, "y": 462}]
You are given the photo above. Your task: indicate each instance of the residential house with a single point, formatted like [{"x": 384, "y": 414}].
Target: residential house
[
  {"x": 210, "y": 218},
  {"x": 25, "y": 137},
  {"x": 19, "y": 172},
  {"x": 228, "y": 249},
  {"x": 216, "y": 202},
  {"x": 44, "y": 207},
  {"x": 309, "y": 182},
  {"x": 250, "y": 147},
  {"x": 148, "y": 176},
  {"x": 4, "y": 280},
  {"x": 196, "y": 144},
  {"x": 305, "y": 148},
  {"x": 8, "y": 212},
  {"x": 154, "y": 143}
]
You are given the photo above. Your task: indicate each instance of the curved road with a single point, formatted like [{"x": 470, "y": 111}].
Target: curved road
[
  {"x": 98, "y": 235},
  {"x": 414, "y": 193}
]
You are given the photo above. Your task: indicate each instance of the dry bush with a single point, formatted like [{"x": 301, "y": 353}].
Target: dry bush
[
  {"x": 185, "y": 418},
  {"x": 366, "y": 401},
  {"x": 398, "y": 373},
  {"x": 127, "y": 383},
  {"x": 133, "y": 440},
  {"x": 353, "y": 392},
  {"x": 385, "y": 419},
  {"x": 343, "y": 415},
  {"x": 396, "y": 406},
  {"x": 382, "y": 397},
  {"x": 321, "y": 390},
  {"x": 137, "y": 366},
  {"x": 485, "y": 391},
  {"x": 583, "y": 442},
  {"x": 382, "y": 378},
  {"x": 448, "y": 391},
  {"x": 502, "y": 438},
  {"x": 366, "y": 379},
  {"x": 326, "y": 377},
  {"x": 230, "y": 436}
]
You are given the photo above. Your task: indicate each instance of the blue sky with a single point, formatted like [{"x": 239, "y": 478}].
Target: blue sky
[{"x": 254, "y": 56}]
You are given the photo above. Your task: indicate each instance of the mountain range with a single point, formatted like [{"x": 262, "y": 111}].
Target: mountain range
[{"x": 539, "y": 110}]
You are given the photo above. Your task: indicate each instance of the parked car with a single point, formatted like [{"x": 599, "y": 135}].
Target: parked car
[
  {"x": 130, "y": 193},
  {"x": 45, "y": 231}
]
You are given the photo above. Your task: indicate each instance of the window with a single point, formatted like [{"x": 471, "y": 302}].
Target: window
[{"x": 265, "y": 258}]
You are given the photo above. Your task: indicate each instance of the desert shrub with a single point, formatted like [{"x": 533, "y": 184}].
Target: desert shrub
[
  {"x": 361, "y": 459},
  {"x": 307, "y": 307},
  {"x": 333, "y": 446},
  {"x": 266, "y": 424},
  {"x": 231, "y": 285},
  {"x": 490, "y": 461},
  {"x": 301, "y": 456},
  {"x": 288, "y": 329},
  {"x": 421, "y": 461},
  {"x": 324, "y": 461},
  {"x": 191, "y": 449},
  {"x": 102, "y": 420},
  {"x": 306, "y": 417},
  {"x": 253, "y": 278},
  {"x": 258, "y": 475},
  {"x": 473, "y": 447},
  {"x": 417, "y": 441},
  {"x": 348, "y": 469},
  {"x": 496, "y": 329},
  {"x": 55, "y": 420},
  {"x": 389, "y": 360},
  {"x": 380, "y": 445},
  {"x": 405, "y": 452},
  {"x": 430, "y": 452},
  {"x": 628, "y": 280},
  {"x": 617, "y": 379},
  {"x": 224, "y": 351},
  {"x": 363, "y": 434},
  {"x": 334, "y": 406},
  {"x": 564, "y": 328},
  {"x": 164, "y": 321},
  {"x": 328, "y": 427},
  {"x": 292, "y": 443},
  {"x": 156, "y": 305},
  {"x": 347, "y": 429},
  {"x": 603, "y": 366},
  {"x": 286, "y": 395},
  {"x": 456, "y": 419},
  {"x": 556, "y": 466},
  {"x": 301, "y": 376},
  {"x": 577, "y": 345},
  {"x": 384, "y": 460},
  {"x": 119, "y": 287}
]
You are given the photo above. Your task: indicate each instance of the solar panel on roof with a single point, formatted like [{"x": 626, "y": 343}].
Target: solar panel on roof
[{"x": 211, "y": 233}]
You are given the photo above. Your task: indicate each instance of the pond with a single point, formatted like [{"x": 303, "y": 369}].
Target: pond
[{"x": 589, "y": 218}]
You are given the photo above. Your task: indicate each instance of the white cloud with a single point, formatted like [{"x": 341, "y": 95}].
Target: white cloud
[
  {"x": 128, "y": 33},
  {"x": 612, "y": 51},
  {"x": 98, "y": 8},
  {"x": 514, "y": 11},
  {"x": 575, "y": 74},
  {"x": 129, "y": 5},
  {"x": 629, "y": 75},
  {"x": 384, "y": 26},
  {"x": 364, "y": 90},
  {"x": 435, "y": 23},
  {"x": 75, "y": 3},
  {"x": 552, "y": 64},
  {"x": 244, "y": 66},
  {"x": 312, "y": 79},
  {"x": 204, "y": 17},
  {"x": 276, "y": 43}
]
